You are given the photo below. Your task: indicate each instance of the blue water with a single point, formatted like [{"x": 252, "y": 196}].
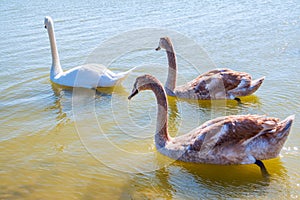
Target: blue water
[{"x": 44, "y": 154}]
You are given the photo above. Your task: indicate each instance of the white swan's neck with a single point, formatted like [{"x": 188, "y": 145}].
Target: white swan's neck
[
  {"x": 161, "y": 135},
  {"x": 56, "y": 67},
  {"x": 172, "y": 73}
]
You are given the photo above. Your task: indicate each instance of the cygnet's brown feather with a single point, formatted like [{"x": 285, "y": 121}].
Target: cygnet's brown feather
[
  {"x": 215, "y": 84},
  {"x": 236, "y": 139}
]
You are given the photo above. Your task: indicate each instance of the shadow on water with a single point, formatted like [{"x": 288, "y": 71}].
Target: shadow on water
[{"x": 201, "y": 181}]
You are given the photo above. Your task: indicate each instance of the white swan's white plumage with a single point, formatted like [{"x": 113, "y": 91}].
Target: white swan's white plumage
[
  {"x": 86, "y": 76},
  {"x": 89, "y": 76}
]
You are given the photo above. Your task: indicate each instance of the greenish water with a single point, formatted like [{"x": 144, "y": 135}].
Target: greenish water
[{"x": 87, "y": 144}]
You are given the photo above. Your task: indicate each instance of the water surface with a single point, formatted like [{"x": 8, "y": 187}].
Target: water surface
[{"x": 103, "y": 147}]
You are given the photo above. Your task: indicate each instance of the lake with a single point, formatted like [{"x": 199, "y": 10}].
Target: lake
[{"x": 95, "y": 144}]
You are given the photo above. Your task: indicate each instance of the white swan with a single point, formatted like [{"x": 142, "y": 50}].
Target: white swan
[{"x": 86, "y": 76}]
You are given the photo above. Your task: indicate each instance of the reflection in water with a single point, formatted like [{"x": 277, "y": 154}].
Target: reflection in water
[
  {"x": 60, "y": 92},
  {"x": 183, "y": 180},
  {"x": 223, "y": 180},
  {"x": 174, "y": 118},
  {"x": 153, "y": 185},
  {"x": 109, "y": 91},
  {"x": 247, "y": 103},
  {"x": 63, "y": 99}
]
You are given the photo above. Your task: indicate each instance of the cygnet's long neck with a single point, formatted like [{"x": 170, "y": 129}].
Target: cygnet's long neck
[
  {"x": 161, "y": 135},
  {"x": 172, "y": 73},
  {"x": 56, "y": 67}
]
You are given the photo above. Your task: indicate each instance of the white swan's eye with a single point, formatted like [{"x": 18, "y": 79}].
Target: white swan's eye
[{"x": 45, "y": 26}]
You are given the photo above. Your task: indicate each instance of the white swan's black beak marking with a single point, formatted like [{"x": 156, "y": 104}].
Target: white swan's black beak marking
[
  {"x": 134, "y": 92},
  {"x": 158, "y": 48},
  {"x": 45, "y": 27}
]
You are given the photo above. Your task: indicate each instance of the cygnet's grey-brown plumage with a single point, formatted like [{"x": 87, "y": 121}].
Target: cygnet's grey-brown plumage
[
  {"x": 215, "y": 84},
  {"x": 236, "y": 139}
]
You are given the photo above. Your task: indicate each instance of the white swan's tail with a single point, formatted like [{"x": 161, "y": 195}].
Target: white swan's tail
[
  {"x": 108, "y": 78},
  {"x": 123, "y": 75}
]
